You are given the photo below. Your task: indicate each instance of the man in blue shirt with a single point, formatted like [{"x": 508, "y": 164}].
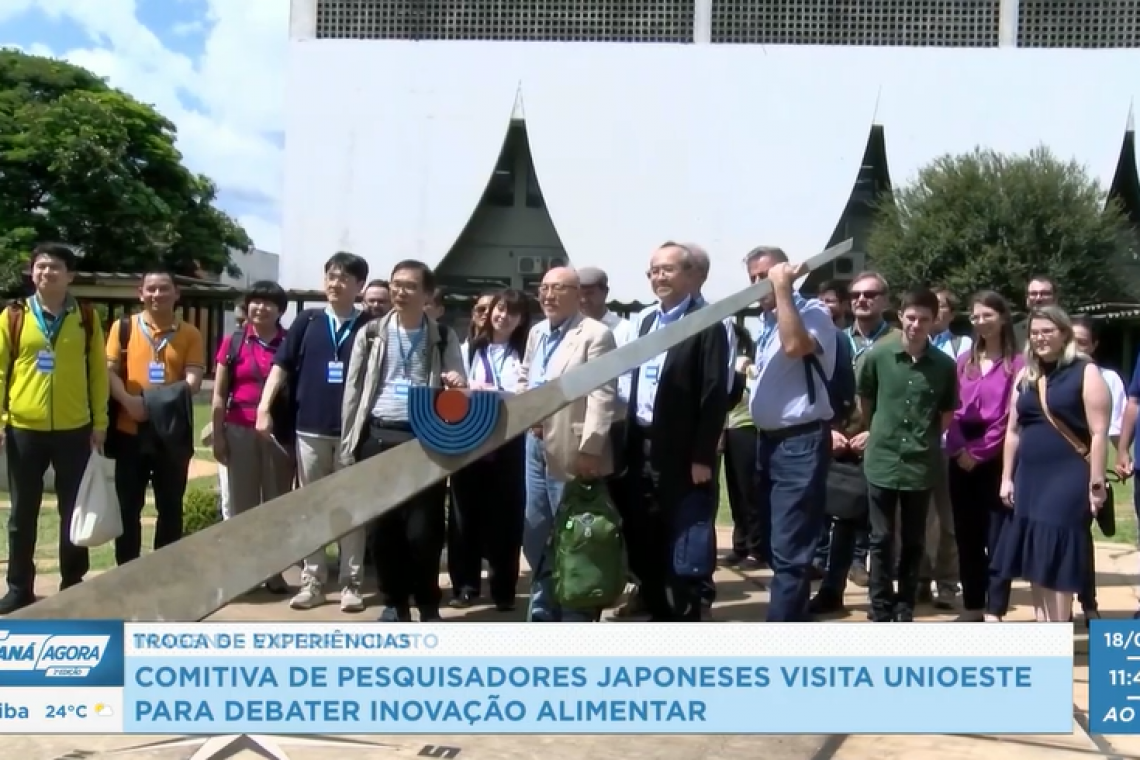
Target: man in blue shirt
[
  {"x": 795, "y": 355},
  {"x": 309, "y": 366}
]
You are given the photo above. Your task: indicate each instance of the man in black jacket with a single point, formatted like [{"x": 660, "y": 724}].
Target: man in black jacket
[{"x": 678, "y": 403}]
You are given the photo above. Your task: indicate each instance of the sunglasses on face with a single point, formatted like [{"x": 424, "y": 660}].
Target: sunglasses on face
[{"x": 870, "y": 295}]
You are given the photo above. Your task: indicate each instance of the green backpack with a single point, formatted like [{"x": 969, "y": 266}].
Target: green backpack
[{"x": 587, "y": 547}]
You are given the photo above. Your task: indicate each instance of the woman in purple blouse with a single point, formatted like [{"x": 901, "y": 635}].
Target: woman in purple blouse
[{"x": 974, "y": 444}]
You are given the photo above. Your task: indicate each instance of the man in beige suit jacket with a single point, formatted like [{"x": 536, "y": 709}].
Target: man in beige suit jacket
[{"x": 574, "y": 442}]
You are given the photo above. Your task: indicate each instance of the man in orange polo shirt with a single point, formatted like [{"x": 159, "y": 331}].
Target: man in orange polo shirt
[{"x": 147, "y": 351}]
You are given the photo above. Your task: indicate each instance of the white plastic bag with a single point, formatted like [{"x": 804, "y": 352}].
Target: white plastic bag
[{"x": 96, "y": 519}]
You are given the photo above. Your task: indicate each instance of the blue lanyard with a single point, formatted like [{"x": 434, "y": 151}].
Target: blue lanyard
[
  {"x": 550, "y": 342},
  {"x": 49, "y": 329},
  {"x": 267, "y": 345},
  {"x": 413, "y": 343},
  {"x": 868, "y": 342},
  {"x": 157, "y": 347},
  {"x": 339, "y": 337},
  {"x": 495, "y": 374}
]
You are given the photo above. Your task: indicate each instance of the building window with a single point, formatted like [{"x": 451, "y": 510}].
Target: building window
[
  {"x": 508, "y": 20},
  {"x": 1078, "y": 24},
  {"x": 501, "y": 187},
  {"x": 942, "y": 23}
]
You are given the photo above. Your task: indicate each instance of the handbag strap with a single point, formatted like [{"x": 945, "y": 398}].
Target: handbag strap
[{"x": 1060, "y": 427}]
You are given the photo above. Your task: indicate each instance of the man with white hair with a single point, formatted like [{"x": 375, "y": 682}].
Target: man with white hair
[{"x": 678, "y": 403}]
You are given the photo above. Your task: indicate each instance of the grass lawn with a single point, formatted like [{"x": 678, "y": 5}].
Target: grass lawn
[{"x": 202, "y": 416}]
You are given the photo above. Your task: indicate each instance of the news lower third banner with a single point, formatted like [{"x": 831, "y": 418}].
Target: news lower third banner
[{"x": 96, "y": 677}]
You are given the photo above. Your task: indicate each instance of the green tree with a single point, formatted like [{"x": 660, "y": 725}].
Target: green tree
[
  {"x": 985, "y": 220},
  {"x": 88, "y": 165}
]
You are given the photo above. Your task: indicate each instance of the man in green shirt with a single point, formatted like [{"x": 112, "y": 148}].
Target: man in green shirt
[
  {"x": 844, "y": 552},
  {"x": 908, "y": 390}
]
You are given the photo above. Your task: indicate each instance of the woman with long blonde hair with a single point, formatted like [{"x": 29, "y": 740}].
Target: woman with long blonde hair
[{"x": 1056, "y": 451}]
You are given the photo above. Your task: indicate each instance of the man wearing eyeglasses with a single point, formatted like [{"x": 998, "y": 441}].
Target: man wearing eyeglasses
[
  {"x": 1040, "y": 291},
  {"x": 572, "y": 443},
  {"x": 677, "y": 409}
]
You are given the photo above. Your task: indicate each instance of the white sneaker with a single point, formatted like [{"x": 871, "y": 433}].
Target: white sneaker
[
  {"x": 310, "y": 595},
  {"x": 350, "y": 599}
]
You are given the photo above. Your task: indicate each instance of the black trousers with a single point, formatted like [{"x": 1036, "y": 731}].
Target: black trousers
[
  {"x": 907, "y": 509},
  {"x": 750, "y": 533},
  {"x": 642, "y": 497},
  {"x": 30, "y": 453},
  {"x": 136, "y": 468},
  {"x": 407, "y": 543},
  {"x": 979, "y": 519},
  {"x": 485, "y": 521}
]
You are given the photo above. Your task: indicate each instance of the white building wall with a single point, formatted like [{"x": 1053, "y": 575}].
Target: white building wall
[{"x": 730, "y": 146}]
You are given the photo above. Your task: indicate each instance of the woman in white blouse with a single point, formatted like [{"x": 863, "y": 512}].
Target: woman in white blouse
[
  {"x": 1085, "y": 338},
  {"x": 488, "y": 497}
]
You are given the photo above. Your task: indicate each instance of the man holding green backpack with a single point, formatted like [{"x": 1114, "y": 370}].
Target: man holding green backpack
[{"x": 572, "y": 537}]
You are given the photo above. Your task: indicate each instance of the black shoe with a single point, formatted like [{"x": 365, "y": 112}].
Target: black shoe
[
  {"x": 12, "y": 602},
  {"x": 430, "y": 615},
  {"x": 824, "y": 603},
  {"x": 65, "y": 585},
  {"x": 925, "y": 594},
  {"x": 395, "y": 615},
  {"x": 859, "y": 576},
  {"x": 751, "y": 563},
  {"x": 277, "y": 585},
  {"x": 733, "y": 558},
  {"x": 464, "y": 599},
  {"x": 904, "y": 616},
  {"x": 505, "y": 605}
]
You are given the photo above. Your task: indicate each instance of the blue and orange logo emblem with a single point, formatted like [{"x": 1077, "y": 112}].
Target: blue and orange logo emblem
[{"x": 453, "y": 422}]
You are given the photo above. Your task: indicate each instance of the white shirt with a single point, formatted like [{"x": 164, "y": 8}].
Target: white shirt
[
  {"x": 1119, "y": 398},
  {"x": 623, "y": 333},
  {"x": 779, "y": 395},
  {"x": 496, "y": 365}
]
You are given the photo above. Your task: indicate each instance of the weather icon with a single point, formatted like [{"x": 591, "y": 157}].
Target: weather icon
[{"x": 104, "y": 710}]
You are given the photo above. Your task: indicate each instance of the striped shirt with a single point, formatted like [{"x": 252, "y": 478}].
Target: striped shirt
[{"x": 405, "y": 365}]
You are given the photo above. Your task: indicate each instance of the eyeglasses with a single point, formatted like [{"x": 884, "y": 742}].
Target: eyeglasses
[
  {"x": 405, "y": 286},
  {"x": 558, "y": 287},
  {"x": 480, "y": 308},
  {"x": 870, "y": 295}
]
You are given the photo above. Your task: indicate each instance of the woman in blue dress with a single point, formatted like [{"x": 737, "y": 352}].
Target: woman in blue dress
[{"x": 1046, "y": 478}]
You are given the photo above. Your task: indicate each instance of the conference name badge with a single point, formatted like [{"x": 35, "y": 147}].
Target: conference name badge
[
  {"x": 156, "y": 373},
  {"x": 335, "y": 374},
  {"x": 45, "y": 361}
]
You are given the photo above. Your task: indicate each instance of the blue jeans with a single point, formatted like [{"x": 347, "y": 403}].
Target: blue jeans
[
  {"x": 791, "y": 472},
  {"x": 543, "y": 498}
]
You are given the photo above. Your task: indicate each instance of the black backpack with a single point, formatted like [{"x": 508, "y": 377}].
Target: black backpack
[{"x": 841, "y": 385}]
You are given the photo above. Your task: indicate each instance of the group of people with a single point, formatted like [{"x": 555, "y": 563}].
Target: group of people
[{"x": 908, "y": 459}]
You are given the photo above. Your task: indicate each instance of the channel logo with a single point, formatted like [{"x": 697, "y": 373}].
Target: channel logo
[
  {"x": 64, "y": 653},
  {"x": 57, "y": 656}
]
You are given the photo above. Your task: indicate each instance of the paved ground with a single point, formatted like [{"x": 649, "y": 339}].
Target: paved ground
[{"x": 742, "y": 598}]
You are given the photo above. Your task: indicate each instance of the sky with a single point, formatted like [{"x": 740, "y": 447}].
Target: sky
[{"x": 216, "y": 68}]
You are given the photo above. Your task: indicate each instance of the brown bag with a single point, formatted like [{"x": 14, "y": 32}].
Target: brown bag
[{"x": 1106, "y": 516}]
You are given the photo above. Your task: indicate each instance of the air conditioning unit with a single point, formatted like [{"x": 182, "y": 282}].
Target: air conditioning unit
[
  {"x": 531, "y": 264},
  {"x": 555, "y": 261}
]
